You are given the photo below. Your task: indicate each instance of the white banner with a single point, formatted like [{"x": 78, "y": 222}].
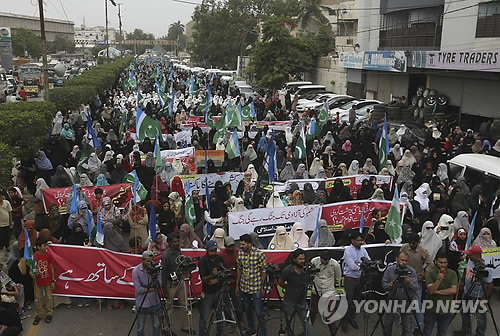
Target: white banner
[
  {"x": 197, "y": 182},
  {"x": 264, "y": 221},
  {"x": 491, "y": 257},
  {"x": 172, "y": 153},
  {"x": 183, "y": 137}
]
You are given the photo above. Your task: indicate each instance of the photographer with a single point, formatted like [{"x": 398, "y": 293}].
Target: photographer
[
  {"x": 250, "y": 281},
  {"x": 147, "y": 299},
  {"x": 293, "y": 280},
  {"x": 400, "y": 280},
  {"x": 328, "y": 275},
  {"x": 475, "y": 273},
  {"x": 172, "y": 279},
  {"x": 353, "y": 255},
  {"x": 210, "y": 265}
]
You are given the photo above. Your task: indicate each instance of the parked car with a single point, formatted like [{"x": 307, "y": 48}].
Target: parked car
[
  {"x": 304, "y": 89},
  {"x": 356, "y": 104}
]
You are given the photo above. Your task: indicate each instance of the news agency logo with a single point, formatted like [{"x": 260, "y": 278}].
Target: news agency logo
[
  {"x": 332, "y": 307},
  {"x": 412, "y": 306}
]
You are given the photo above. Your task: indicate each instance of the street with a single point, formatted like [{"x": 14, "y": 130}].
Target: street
[{"x": 104, "y": 322}]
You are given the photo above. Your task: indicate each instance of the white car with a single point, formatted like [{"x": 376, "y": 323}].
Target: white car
[
  {"x": 305, "y": 103},
  {"x": 357, "y": 104}
]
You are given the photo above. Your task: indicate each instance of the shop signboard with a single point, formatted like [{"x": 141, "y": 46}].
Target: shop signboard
[
  {"x": 352, "y": 60},
  {"x": 394, "y": 61},
  {"x": 466, "y": 60}
]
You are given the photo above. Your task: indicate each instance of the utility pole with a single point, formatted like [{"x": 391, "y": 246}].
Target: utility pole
[
  {"x": 120, "y": 25},
  {"x": 107, "y": 36},
  {"x": 45, "y": 76}
]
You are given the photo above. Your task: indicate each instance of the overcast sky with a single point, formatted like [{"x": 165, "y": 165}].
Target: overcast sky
[{"x": 152, "y": 16}]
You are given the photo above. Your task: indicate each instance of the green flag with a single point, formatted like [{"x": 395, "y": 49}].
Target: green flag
[
  {"x": 234, "y": 116},
  {"x": 141, "y": 191},
  {"x": 233, "y": 146},
  {"x": 82, "y": 168},
  {"x": 323, "y": 115},
  {"x": 189, "y": 212},
  {"x": 221, "y": 123},
  {"x": 163, "y": 85},
  {"x": 132, "y": 83},
  {"x": 220, "y": 133},
  {"x": 245, "y": 113},
  {"x": 393, "y": 224},
  {"x": 300, "y": 146},
  {"x": 146, "y": 127}
]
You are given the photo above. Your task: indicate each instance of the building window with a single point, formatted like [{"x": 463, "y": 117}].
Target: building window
[{"x": 488, "y": 19}]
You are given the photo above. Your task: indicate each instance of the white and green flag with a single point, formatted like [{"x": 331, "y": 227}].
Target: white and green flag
[
  {"x": 233, "y": 147},
  {"x": 393, "y": 224},
  {"x": 146, "y": 126},
  {"x": 300, "y": 146},
  {"x": 189, "y": 212},
  {"x": 28, "y": 254},
  {"x": 383, "y": 146}
]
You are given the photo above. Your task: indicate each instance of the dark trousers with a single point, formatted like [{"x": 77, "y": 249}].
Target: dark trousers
[
  {"x": 351, "y": 288},
  {"x": 4, "y": 237},
  {"x": 208, "y": 306},
  {"x": 314, "y": 312}
]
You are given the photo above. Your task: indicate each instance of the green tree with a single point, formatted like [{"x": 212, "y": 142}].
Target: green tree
[
  {"x": 139, "y": 34},
  {"x": 311, "y": 10},
  {"x": 60, "y": 43},
  {"x": 223, "y": 30},
  {"x": 176, "y": 30},
  {"x": 25, "y": 41},
  {"x": 279, "y": 55}
]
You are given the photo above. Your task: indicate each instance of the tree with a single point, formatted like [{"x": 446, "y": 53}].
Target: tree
[
  {"x": 223, "y": 30},
  {"x": 139, "y": 34},
  {"x": 280, "y": 55},
  {"x": 312, "y": 10},
  {"x": 25, "y": 41},
  {"x": 60, "y": 43},
  {"x": 176, "y": 30}
]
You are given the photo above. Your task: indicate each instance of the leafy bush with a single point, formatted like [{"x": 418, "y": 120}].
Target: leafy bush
[
  {"x": 83, "y": 88},
  {"x": 6, "y": 156},
  {"x": 24, "y": 126}
]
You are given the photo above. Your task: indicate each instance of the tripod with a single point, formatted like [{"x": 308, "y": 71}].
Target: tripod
[
  {"x": 479, "y": 281},
  {"x": 161, "y": 313},
  {"x": 289, "y": 321},
  {"x": 223, "y": 303},
  {"x": 365, "y": 287},
  {"x": 184, "y": 281},
  {"x": 265, "y": 316},
  {"x": 400, "y": 283}
]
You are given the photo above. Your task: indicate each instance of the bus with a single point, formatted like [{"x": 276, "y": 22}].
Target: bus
[{"x": 30, "y": 76}]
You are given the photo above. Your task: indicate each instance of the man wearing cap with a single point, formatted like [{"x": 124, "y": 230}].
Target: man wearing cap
[
  {"x": 229, "y": 255},
  {"x": 473, "y": 291},
  {"x": 210, "y": 264},
  {"x": 147, "y": 299}
]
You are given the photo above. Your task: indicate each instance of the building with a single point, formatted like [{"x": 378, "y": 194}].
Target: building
[
  {"x": 53, "y": 27},
  {"x": 89, "y": 37},
  {"x": 450, "y": 46}
]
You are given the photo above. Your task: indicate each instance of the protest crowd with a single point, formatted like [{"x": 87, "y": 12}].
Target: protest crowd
[{"x": 138, "y": 134}]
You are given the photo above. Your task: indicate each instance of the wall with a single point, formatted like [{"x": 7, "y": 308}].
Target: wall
[
  {"x": 474, "y": 95},
  {"x": 459, "y": 28},
  {"x": 383, "y": 84},
  {"x": 328, "y": 70},
  {"x": 369, "y": 25},
  {"x": 52, "y": 27}
]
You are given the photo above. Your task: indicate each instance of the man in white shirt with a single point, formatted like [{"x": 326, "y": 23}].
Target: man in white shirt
[{"x": 324, "y": 281}]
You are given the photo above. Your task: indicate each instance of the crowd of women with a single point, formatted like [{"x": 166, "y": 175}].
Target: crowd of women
[{"x": 438, "y": 206}]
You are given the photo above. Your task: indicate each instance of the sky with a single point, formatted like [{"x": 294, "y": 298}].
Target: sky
[{"x": 152, "y": 16}]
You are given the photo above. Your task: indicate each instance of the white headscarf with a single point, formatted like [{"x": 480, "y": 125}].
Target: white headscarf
[
  {"x": 288, "y": 135},
  {"x": 281, "y": 240},
  {"x": 484, "y": 239},
  {"x": 275, "y": 201},
  {"x": 408, "y": 158},
  {"x": 299, "y": 238},
  {"x": 430, "y": 239},
  {"x": 94, "y": 163},
  {"x": 353, "y": 168},
  {"x": 219, "y": 236},
  {"x": 251, "y": 153},
  {"x": 390, "y": 168},
  {"x": 315, "y": 165},
  {"x": 177, "y": 164},
  {"x": 251, "y": 168},
  {"x": 40, "y": 185},
  {"x": 462, "y": 221},
  {"x": 85, "y": 181},
  {"x": 239, "y": 205},
  {"x": 442, "y": 172},
  {"x": 446, "y": 221},
  {"x": 422, "y": 197}
]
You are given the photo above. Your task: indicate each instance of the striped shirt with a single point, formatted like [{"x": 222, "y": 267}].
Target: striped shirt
[{"x": 251, "y": 266}]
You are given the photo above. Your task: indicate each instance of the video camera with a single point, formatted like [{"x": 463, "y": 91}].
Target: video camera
[
  {"x": 402, "y": 272},
  {"x": 480, "y": 271},
  {"x": 273, "y": 271},
  {"x": 369, "y": 266},
  {"x": 154, "y": 272},
  {"x": 226, "y": 273},
  {"x": 185, "y": 263}
]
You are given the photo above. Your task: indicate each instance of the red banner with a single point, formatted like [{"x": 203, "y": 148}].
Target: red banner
[
  {"x": 348, "y": 214},
  {"x": 354, "y": 182},
  {"x": 94, "y": 272},
  {"x": 119, "y": 193}
]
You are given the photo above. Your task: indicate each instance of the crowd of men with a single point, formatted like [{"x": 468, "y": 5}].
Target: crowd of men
[{"x": 436, "y": 224}]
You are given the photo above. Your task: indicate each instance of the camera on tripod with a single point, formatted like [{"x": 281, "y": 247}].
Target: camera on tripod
[
  {"x": 480, "y": 271},
  {"x": 273, "y": 271},
  {"x": 226, "y": 274},
  {"x": 154, "y": 272},
  {"x": 186, "y": 264},
  {"x": 369, "y": 266}
]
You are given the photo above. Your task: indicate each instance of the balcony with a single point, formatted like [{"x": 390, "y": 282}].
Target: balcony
[{"x": 424, "y": 36}]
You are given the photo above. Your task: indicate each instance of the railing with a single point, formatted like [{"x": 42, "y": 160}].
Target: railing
[{"x": 419, "y": 35}]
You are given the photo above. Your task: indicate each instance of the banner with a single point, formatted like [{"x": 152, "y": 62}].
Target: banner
[
  {"x": 394, "y": 61},
  {"x": 187, "y": 156},
  {"x": 197, "y": 182},
  {"x": 465, "y": 60},
  {"x": 274, "y": 125},
  {"x": 184, "y": 137},
  {"x": 264, "y": 221},
  {"x": 217, "y": 156},
  {"x": 348, "y": 214},
  {"x": 100, "y": 273},
  {"x": 354, "y": 182},
  {"x": 119, "y": 193},
  {"x": 188, "y": 127}
]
